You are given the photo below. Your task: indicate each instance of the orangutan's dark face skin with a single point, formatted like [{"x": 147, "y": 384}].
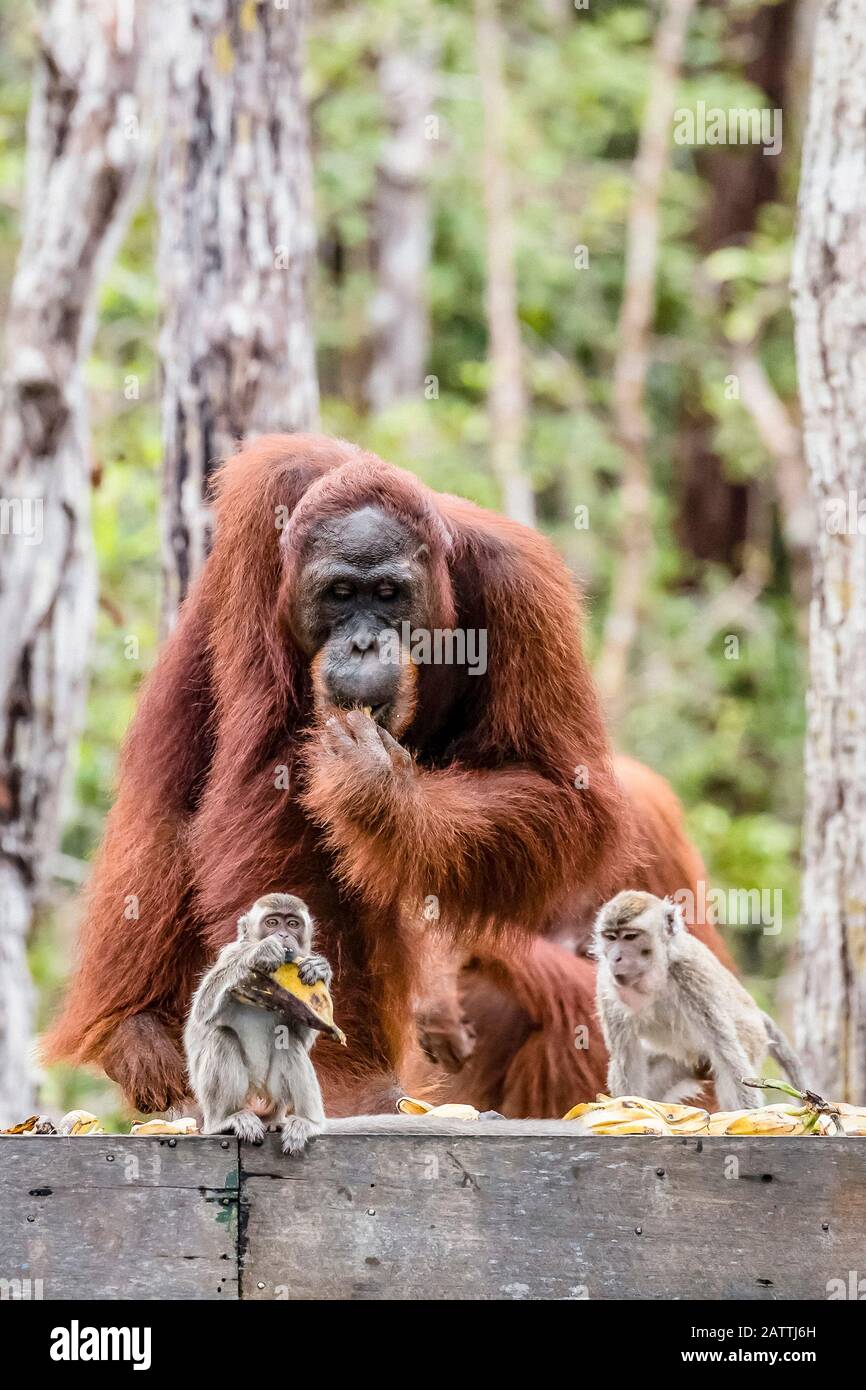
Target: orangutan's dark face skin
[{"x": 363, "y": 577}]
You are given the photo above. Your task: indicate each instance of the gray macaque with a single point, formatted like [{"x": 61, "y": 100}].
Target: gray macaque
[
  {"x": 671, "y": 1012},
  {"x": 237, "y": 1051}
]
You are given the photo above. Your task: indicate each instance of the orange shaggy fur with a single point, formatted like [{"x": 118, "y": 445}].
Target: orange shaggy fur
[{"x": 488, "y": 819}]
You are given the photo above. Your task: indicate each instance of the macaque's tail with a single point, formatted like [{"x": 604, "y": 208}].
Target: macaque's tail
[{"x": 782, "y": 1051}]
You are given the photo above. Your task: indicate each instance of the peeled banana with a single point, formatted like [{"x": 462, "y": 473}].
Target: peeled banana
[{"x": 316, "y": 1000}]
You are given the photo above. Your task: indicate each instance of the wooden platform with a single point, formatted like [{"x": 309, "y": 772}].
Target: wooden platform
[{"x": 494, "y": 1210}]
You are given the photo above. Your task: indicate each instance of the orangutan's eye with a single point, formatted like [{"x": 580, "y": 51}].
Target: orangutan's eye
[{"x": 340, "y": 591}]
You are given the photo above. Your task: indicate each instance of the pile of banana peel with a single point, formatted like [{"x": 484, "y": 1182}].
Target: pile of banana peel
[
  {"x": 78, "y": 1122},
  {"x": 635, "y": 1115},
  {"x": 811, "y": 1114}
]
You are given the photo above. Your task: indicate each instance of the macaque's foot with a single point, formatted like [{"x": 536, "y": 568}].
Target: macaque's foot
[
  {"x": 297, "y": 1132},
  {"x": 246, "y": 1126}
]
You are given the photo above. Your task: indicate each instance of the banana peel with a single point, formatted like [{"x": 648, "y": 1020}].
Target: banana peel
[
  {"x": 79, "y": 1122},
  {"x": 283, "y": 992},
  {"x": 34, "y": 1124},
  {"x": 406, "y": 1105},
  {"x": 619, "y": 1115},
  {"x": 768, "y": 1120},
  {"x": 187, "y": 1125},
  {"x": 315, "y": 999}
]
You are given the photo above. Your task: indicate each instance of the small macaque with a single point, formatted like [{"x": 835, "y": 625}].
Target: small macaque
[
  {"x": 242, "y": 1052},
  {"x": 671, "y": 1012}
]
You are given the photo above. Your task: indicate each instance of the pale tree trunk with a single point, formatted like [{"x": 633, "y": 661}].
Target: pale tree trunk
[
  {"x": 782, "y": 439},
  {"x": 632, "y": 358},
  {"x": 398, "y": 313},
  {"x": 84, "y": 149},
  {"x": 506, "y": 403},
  {"x": 236, "y": 246},
  {"x": 830, "y": 309}
]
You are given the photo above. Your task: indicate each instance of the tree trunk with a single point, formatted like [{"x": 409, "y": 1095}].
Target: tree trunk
[
  {"x": 632, "y": 359},
  {"x": 236, "y": 246},
  {"x": 398, "y": 314},
  {"x": 713, "y": 510},
  {"x": 830, "y": 308},
  {"x": 84, "y": 149},
  {"x": 507, "y": 395}
]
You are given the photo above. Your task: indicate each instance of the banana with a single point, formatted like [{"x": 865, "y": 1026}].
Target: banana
[
  {"x": 315, "y": 999},
  {"x": 768, "y": 1120},
  {"x": 852, "y": 1118},
  {"x": 675, "y": 1119},
  {"x": 184, "y": 1126},
  {"x": 622, "y": 1115},
  {"x": 79, "y": 1122},
  {"x": 683, "y": 1119},
  {"x": 406, "y": 1105}
]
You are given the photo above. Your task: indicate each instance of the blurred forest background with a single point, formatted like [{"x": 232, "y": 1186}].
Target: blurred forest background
[{"x": 723, "y": 561}]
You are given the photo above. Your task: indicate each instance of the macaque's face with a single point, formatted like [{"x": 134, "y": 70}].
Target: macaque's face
[
  {"x": 283, "y": 916},
  {"x": 363, "y": 577},
  {"x": 632, "y": 935}
]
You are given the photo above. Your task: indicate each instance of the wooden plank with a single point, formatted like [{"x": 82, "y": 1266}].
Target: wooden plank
[
  {"x": 519, "y": 1210},
  {"x": 115, "y": 1217}
]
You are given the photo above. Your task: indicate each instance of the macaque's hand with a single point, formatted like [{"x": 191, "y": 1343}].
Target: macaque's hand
[
  {"x": 263, "y": 991},
  {"x": 357, "y": 739},
  {"x": 445, "y": 1037},
  {"x": 315, "y": 970},
  {"x": 268, "y": 954}
]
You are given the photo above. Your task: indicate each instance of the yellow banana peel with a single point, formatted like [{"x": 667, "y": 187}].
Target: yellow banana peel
[
  {"x": 638, "y": 1115},
  {"x": 652, "y": 1116},
  {"x": 768, "y": 1120},
  {"x": 316, "y": 998},
  {"x": 852, "y": 1118},
  {"x": 619, "y": 1115},
  {"x": 187, "y": 1125},
  {"x": 407, "y": 1105},
  {"x": 79, "y": 1122}
]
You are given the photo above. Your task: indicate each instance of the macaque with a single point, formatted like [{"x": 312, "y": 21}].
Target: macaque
[
  {"x": 671, "y": 1012},
  {"x": 237, "y": 1051}
]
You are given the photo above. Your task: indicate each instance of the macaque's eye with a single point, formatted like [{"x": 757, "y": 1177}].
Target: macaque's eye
[
  {"x": 387, "y": 592},
  {"x": 629, "y": 936},
  {"x": 293, "y": 924},
  {"x": 609, "y": 935},
  {"x": 272, "y": 921},
  {"x": 340, "y": 591}
]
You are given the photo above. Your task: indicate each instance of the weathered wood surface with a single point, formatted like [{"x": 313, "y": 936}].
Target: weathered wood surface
[
  {"x": 408, "y": 1209},
  {"x": 505, "y": 1210},
  {"x": 111, "y": 1217}
]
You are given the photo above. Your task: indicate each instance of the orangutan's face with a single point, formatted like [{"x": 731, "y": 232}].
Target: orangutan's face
[{"x": 362, "y": 581}]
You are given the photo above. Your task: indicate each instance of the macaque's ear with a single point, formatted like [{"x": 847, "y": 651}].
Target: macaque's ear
[
  {"x": 243, "y": 926},
  {"x": 673, "y": 918}
]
